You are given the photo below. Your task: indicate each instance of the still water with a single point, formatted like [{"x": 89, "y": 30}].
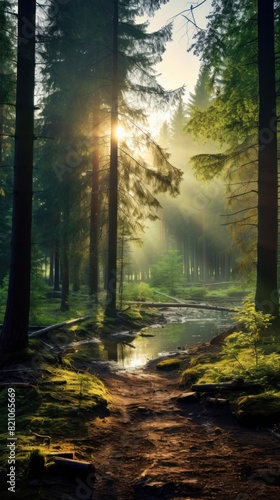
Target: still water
[{"x": 183, "y": 329}]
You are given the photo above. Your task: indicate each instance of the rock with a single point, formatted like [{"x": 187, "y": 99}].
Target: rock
[
  {"x": 168, "y": 364},
  {"x": 260, "y": 409},
  {"x": 218, "y": 431},
  {"x": 188, "y": 397},
  {"x": 217, "y": 402},
  {"x": 142, "y": 409}
]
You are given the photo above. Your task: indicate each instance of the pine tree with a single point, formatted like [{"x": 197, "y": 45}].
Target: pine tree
[
  {"x": 7, "y": 100},
  {"x": 238, "y": 104},
  {"x": 267, "y": 299},
  {"x": 83, "y": 68},
  {"x": 15, "y": 329}
]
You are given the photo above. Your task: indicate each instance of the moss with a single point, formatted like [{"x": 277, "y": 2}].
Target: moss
[
  {"x": 61, "y": 411},
  {"x": 261, "y": 409},
  {"x": 192, "y": 375},
  {"x": 168, "y": 364}
]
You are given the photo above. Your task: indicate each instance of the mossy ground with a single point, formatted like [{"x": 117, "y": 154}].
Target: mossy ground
[
  {"x": 65, "y": 400},
  {"x": 168, "y": 364},
  {"x": 60, "y": 403},
  {"x": 254, "y": 364},
  {"x": 258, "y": 410}
]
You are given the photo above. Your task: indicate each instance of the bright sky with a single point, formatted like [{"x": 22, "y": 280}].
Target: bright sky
[{"x": 180, "y": 67}]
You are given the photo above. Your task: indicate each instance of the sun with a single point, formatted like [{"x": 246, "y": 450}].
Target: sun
[{"x": 120, "y": 133}]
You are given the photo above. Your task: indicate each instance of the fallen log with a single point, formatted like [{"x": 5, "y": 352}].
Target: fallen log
[
  {"x": 62, "y": 454},
  {"x": 183, "y": 304},
  {"x": 169, "y": 297},
  {"x": 58, "y": 325},
  {"x": 129, "y": 345},
  {"x": 41, "y": 436},
  {"x": 69, "y": 466},
  {"x": 236, "y": 385}
]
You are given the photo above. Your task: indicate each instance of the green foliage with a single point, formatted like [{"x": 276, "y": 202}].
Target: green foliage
[
  {"x": 254, "y": 324},
  {"x": 250, "y": 353},
  {"x": 267, "y": 372},
  {"x": 228, "y": 50},
  {"x": 195, "y": 292},
  {"x": 139, "y": 291},
  {"x": 168, "y": 272}
]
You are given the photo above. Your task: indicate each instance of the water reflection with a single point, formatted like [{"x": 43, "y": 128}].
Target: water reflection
[{"x": 174, "y": 337}]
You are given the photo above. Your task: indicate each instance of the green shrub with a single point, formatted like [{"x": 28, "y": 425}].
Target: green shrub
[
  {"x": 254, "y": 324},
  {"x": 195, "y": 292},
  {"x": 168, "y": 272},
  {"x": 139, "y": 291}
]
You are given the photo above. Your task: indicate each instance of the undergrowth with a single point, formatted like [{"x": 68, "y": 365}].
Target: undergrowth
[
  {"x": 250, "y": 353},
  {"x": 54, "y": 410}
]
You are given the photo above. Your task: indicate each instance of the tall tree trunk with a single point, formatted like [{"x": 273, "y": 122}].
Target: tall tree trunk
[
  {"x": 1, "y": 133},
  {"x": 64, "y": 305},
  {"x": 51, "y": 263},
  {"x": 65, "y": 274},
  {"x": 266, "y": 299},
  {"x": 56, "y": 286},
  {"x": 76, "y": 270},
  {"x": 15, "y": 329},
  {"x": 111, "y": 287},
  {"x": 94, "y": 210}
]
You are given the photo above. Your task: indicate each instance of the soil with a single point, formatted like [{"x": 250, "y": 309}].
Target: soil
[
  {"x": 148, "y": 445},
  {"x": 151, "y": 446}
]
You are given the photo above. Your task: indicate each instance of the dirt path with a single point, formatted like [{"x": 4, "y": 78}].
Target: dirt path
[{"x": 149, "y": 446}]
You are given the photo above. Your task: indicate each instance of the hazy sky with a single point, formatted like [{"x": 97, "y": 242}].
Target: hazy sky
[{"x": 180, "y": 67}]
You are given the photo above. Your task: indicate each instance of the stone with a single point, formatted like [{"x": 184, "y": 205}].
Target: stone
[{"x": 188, "y": 397}]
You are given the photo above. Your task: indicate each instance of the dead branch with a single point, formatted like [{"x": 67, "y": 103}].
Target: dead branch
[{"x": 58, "y": 325}]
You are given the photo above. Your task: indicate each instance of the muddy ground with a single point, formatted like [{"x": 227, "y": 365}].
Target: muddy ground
[
  {"x": 151, "y": 446},
  {"x": 148, "y": 445}
]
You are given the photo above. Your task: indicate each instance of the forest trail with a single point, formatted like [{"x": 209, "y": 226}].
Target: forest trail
[{"x": 150, "y": 446}]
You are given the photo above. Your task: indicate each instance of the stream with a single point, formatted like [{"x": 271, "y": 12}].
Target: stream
[{"x": 183, "y": 329}]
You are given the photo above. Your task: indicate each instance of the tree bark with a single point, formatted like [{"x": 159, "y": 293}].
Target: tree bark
[
  {"x": 111, "y": 286},
  {"x": 1, "y": 134},
  {"x": 94, "y": 210},
  {"x": 266, "y": 298},
  {"x": 65, "y": 274},
  {"x": 64, "y": 305},
  {"x": 56, "y": 286},
  {"x": 76, "y": 270},
  {"x": 51, "y": 263},
  {"x": 15, "y": 329}
]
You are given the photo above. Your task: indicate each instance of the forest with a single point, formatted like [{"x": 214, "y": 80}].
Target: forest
[
  {"x": 90, "y": 180},
  {"x": 119, "y": 197}
]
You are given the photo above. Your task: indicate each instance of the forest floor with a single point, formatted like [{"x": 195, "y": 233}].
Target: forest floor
[
  {"x": 150, "y": 446},
  {"x": 147, "y": 444}
]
